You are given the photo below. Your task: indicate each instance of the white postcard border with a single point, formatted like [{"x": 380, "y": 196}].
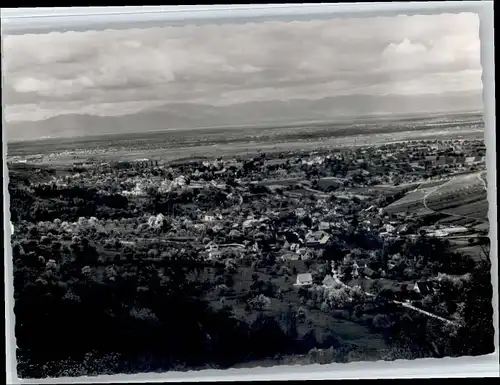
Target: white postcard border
[{"x": 43, "y": 20}]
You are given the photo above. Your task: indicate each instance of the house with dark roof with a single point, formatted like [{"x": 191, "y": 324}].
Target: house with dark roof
[
  {"x": 343, "y": 270},
  {"x": 317, "y": 239},
  {"x": 360, "y": 263},
  {"x": 367, "y": 272},
  {"x": 441, "y": 161},
  {"x": 423, "y": 287},
  {"x": 329, "y": 281},
  {"x": 374, "y": 221}
]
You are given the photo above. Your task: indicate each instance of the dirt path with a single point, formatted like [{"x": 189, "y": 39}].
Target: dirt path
[
  {"x": 409, "y": 306},
  {"x": 483, "y": 181}
]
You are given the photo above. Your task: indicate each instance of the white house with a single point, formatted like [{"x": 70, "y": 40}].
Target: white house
[
  {"x": 440, "y": 233},
  {"x": 290, "y": 257},
  {"x": 355, "y": 272},
  {"x": 249, "y": 223},
  {"x": 304, "y": 279},
  {"x": 324, "y": 226},
  {"x": 209, "y": 218},
  {"x": 324, "y": 240},
  {"x": 214, "y": 254}
]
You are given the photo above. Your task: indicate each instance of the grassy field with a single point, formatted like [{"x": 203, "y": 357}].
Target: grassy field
[{"x": 477, "y": 209}]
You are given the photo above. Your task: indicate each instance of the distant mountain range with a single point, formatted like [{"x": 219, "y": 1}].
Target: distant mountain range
[{"x": 186, "y": 115}]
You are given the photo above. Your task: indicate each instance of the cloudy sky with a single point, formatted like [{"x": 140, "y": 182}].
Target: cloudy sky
[{"x": 118, "y": 72}]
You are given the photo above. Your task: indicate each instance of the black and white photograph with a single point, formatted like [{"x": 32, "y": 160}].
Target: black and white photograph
[{"x": 248, "y": 195}]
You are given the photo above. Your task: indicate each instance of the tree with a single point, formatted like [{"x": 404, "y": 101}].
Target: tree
[
  {"x": 267, "y": 338},
  {"x": 301, "y": 314},
  {"x": 333, "y": 251},
  {"x": 229, "y": 280},
  {"x": 260, "y": 302},
  {"x": 381, "y": 322},
  {"x": 290, "y": 321},
  {"x": 477, "y": 335},
  {"x": 310, "y": 303}
]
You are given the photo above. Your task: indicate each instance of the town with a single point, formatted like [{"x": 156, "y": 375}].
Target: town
[{"x": 305, "y": 249}]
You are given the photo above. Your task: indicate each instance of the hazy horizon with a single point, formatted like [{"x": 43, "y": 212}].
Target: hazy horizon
[
  {"x": 96, "y": 82},
  {"x": 368, "y": 119}
]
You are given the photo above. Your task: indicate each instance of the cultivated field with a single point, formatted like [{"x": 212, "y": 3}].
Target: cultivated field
[
  {"x": 459, "y": 197},
  {"x": 413, "y": 201},
  {"x": 462, "y": 196}
]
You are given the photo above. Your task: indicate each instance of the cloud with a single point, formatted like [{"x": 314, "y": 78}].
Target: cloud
[
  {"x": 451, "y": 53},
  {"x": 51, "y": 109},
  {"x": 405, "y": 48},
  {"x": 73, "y": 72},
  {"x": 115, "y": 67}
]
